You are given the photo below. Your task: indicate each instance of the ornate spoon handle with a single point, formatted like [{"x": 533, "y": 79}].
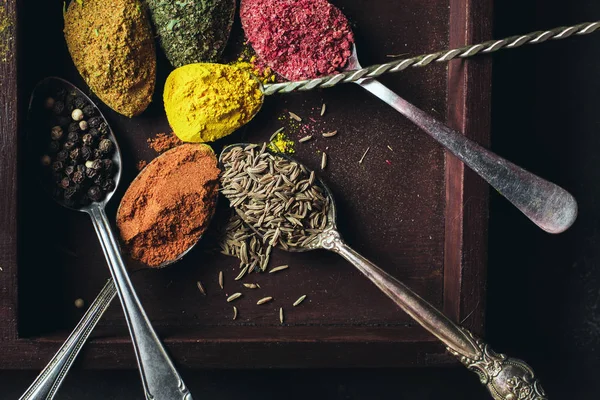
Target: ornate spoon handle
[
  {"x": 506, "y": 378},
  {"x": 49, "y": 380},
  {"x": 420, "y": 61}
]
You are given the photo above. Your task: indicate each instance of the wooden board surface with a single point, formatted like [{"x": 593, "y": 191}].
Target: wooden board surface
[{"x": 413, "y": 211}]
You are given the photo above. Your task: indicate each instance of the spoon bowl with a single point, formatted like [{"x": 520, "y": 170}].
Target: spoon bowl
[
  {"x": 42, "y": 90},
  {"x": 475, "y": 354}
]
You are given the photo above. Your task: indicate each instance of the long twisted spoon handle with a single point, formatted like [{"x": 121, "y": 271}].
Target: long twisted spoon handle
[{"x": 420, "y": 61}]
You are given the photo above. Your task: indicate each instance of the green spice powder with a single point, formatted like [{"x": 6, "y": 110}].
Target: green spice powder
[{"x": 192, "y": 31}]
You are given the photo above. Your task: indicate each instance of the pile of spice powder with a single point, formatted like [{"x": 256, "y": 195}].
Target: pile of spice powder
[
  {"x": 169, "y": 205},
  {"x": 205, "y": 102},
  {"x": 192, "y": 31},
  {"x": 298, "y": 39},
  {"x": 163, "y": 142},
  {"x": 112, "y": 46}
]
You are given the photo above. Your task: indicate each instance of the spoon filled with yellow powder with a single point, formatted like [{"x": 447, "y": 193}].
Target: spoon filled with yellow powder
[{"x": 205, "y": 102}]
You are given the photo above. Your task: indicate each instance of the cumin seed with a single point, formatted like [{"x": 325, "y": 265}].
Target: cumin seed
[
  {"x": 323, "y": 109},
  {"x": 201, "y": 288},
  {"x": 264, "y": 300},
  {"x": 277, "y": 269},
  {"x": 281, "y": 315},
  {"x": 300, "y": 300},
  {"x": 364, "y": 155},
  {"x": 233, "y": 297},
  {"x": 330, "y": 134},
  {"x": 295, "y": 117},
  {"x": 305, "y": 139},
  {"x": 221, "y": 279},
  {"x": 324, "y": 160},
  {"x": 235, "y": 312}
]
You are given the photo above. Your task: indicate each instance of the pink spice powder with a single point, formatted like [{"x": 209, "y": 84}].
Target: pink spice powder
[{"x": 299, "y": 39}]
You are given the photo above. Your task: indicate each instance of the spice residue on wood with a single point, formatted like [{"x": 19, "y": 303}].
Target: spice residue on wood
[
  {"x": 163, "y": 142},
  {"x": 169, "y": 205},
  {"x": 112, "y": 46}
]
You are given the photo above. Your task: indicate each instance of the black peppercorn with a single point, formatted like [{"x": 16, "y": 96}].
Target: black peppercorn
[
  {"x": 62, "y": 155},
  {"x": 109, "y": 185},
  {"x": 70, "y": 170},
  {"x": 94, "y": 132},
  {"x": 71, "y": 192},
  {"x": 78, "y": 177},
  {"x": 91, "y": 173},
  {"x": 56, "y": 133},
  {"x": 86, "y": 153},
  {"x": 89, "y": 111},
  {"x": 103, "y": 128},
  {"x": 108, "y": 165},
  {"x": 95, "y": 122},
  {"x": 57, "y": 166},
  {"x": 69, "y": 145},
  {"x": 106, "y": 146},
  {"x": 95, "y": 193},
  {"x": 87, "y": 139},
  {"x": 75, "y": 154},
  {"x": 73, "y": 137},
  {"x": 97, "y": 154},
  {"x": 65, "y": 182},
  {"x": 74, "y": 127},
  {"x": 99, "y": 180},
  {"x": 97, "y": 164},
  {"x": 59, "y": 107},
  {"x": 54, "y": 146},
  {"x": 79, "y": 102}
]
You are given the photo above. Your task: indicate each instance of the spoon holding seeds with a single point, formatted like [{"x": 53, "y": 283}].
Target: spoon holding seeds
[
  {"x": 289, "y": 207},
  {"x": 79, "y": 184}
]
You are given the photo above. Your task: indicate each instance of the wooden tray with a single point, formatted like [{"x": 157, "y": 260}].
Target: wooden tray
[{"x": 414, "y": 211}]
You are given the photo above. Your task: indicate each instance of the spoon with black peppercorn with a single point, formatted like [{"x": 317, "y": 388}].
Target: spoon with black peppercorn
[
  {"x": 288, "y": 206},
  {"x": 76, "y": 170}
]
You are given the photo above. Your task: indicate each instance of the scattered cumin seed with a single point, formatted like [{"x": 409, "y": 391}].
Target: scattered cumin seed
[
  {"x": 323, "y": 160},
  {"x": 201, "y": 288},
  {"x": 221, "y": 279},
  {"x": 277, "y": 132},
  {"x": 305, "y": 139},
  {"x": 364, "y": 155},
  {"x": 235, "y": 312},
  {"x": 251, "y": 285},
  {"x": 329, "y": 134},
  {"x": 277, "y": 269},
  {"x": 233, "y": 297},
  {"x": 281, "y": 314},
  {"x": 323, "y": 109},
  {"x": 242, "y": 273},
  {"x": 263, "y": 300},
  {"x": 390, "y": 147},
  {"x": 295, "y": 116},
  {"x": 300, "y": 300}
]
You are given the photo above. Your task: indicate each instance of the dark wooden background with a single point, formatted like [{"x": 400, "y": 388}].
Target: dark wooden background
[{"x": 543, "y": 291}]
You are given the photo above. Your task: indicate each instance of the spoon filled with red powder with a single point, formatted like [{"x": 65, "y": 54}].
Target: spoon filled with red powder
[{"x": 307, "y": 39}]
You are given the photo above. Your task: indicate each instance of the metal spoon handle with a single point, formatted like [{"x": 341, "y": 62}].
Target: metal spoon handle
[
  {"x": 488, "y": 47},
  {"x": 50, "y": 379},
  {"x": 506, "y": 378},
  {"x": 549, "y": 206},
  {"x": 159, "y": 376}
]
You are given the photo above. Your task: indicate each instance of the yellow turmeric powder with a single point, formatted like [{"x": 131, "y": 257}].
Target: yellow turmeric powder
[{"x": 205, "y": 102}]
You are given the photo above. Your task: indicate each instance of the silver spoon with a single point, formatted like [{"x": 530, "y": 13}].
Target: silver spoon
[
  {"x": 160, "y": 379},
  {"x": 504, "y": 377}
]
